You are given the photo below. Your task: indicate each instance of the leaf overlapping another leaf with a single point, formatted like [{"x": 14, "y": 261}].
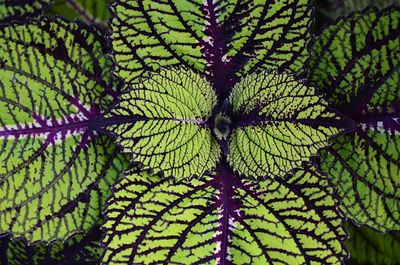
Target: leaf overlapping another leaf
[
  {"x": 165, "y": 124},
  {"x": 225, "y": 39},
  {"x": 158, "y": 220},
  {"x": 82, "y": 250},
  {"x": 357, "y": 63},
  {"x": 54, "y": 170},
  {"x": 230, "y": 48},
  {"x": 21, "y": 9}
]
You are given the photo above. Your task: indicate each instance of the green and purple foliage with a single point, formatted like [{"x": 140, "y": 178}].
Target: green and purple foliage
[{"x": 199, "y": 132}]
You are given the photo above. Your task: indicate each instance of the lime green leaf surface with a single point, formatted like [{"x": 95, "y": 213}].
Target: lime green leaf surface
[
  {"x": 357, "y": 63},
  {"x": 54, "y": 170},
  {"x": 221, "y": 220},
  {"x": 162, "y": 123},
  {"x": 21, "y": 9},
  {"x": 226, "y": 37},
  {"x": 367, "y": 246},
  {"x": 89, "y": 11},
  {"x": 82, "y": 250},
  {"x": 281, "y": 123},
  {"x": 168, "y": 124}
]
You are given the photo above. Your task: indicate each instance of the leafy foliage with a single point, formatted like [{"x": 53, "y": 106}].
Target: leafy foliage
[
  {"x": 162, "y": 122},
  {"x": 165, "y": 123},
  {"x": 221, "y": 128},
  {"x": 369, "y": 247},
  {"x": 279, "y": 123},
  {"x": 54, "y": 171},
  {"x": 224, "y": 39},
  {"x": 357, "y": 62},
  {"x": 82, "y": 250},
  {"x": 217, "y": 90},
  {"x": 21, "y": 9},
  {"x": 203, "y": 221}
]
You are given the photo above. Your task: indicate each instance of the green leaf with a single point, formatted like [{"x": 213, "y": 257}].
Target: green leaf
[
  {"x": 89, "y": 11},
  {"x": 225, "y": 39},
  {"x": 222, "y": 219},
  {"x": 82, "y": 250},
  {"x": 369, "y": 247},
  {"x": 163, "y": 123},
  {"x": 55, "y": 171},
  {"x": 357, "y": 62},
  {"x": 21, "y": 9},
  {"x": 336, "y": 8},
  {"x": 281, "y": 123}
]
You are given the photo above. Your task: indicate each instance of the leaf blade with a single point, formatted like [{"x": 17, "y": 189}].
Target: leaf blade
[
  {"x": 280, "y": 124},
  {"x": 54, "y": 169},
  {"x": 362, "y": 69},
  {"x": 213, "y": 220},
  {"x": 163, "y": 123}
]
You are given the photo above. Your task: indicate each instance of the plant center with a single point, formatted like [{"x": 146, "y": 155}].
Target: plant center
[{"x": 222, "y": 126}]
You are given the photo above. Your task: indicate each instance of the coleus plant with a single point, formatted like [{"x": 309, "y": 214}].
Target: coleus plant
[{"x": 215, "y": 104}]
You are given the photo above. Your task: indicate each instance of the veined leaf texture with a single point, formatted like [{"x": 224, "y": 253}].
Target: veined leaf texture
[
  {"x": 214, "y": 107},
  {"x": 244, "y": 138},
  {"x": 357, "y": 63},
  {"x": 55, "y": 172}
]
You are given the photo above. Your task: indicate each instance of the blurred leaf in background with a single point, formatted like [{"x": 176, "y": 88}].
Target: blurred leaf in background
[
  {"x": 89, "y": 11},
  {"x": 336, "y": 8},
  {"x": 370, "y": 247}
]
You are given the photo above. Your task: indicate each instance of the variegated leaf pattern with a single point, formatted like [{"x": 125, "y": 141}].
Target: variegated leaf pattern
[
  {"x": 223, "y": 220},
  {"x": 225, "y": 39},
  {"x": 81, "y": 249},
  {"x": 163, "y": 123},
  {"x": 357, "y": 63},
  {"x": 278, "y": 124},
  {"x": 21, "y": 9},
  {"x": 55, "y": 171}
]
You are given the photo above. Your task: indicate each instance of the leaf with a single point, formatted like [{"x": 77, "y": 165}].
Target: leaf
[
  {"x": 369, "y": 247},
  {"x": 89, "y": 11},
  {"x": 21, "y": 9},
  {"x": 225, "y": 39},
  {"x": 279, "y": 123},
  {"x": 222, "y": 219},
  {"x": 162, "y": 123},
  {"x": 83, "y": 250},
  {"x": 357, "y": 62},
  {"x": 338, "y": 8},
  {"x": 55, "y": 171}
]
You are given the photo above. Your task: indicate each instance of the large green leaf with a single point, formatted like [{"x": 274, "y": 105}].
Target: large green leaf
[
  {"x": 54, "y": 170},
  {"x": 370, "y": 247},
  {"x": 163, "y": 123},
  {"x": 357, "y": 63},
  {"x": 89, "y": 11},
  {"x": 21, "y": 9},
  {"x": 222, "y": 220},
  {"x": 82, "y": 250},
  {"x": 224, "y": 39},
  {"x": 278, "y": 124}
]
